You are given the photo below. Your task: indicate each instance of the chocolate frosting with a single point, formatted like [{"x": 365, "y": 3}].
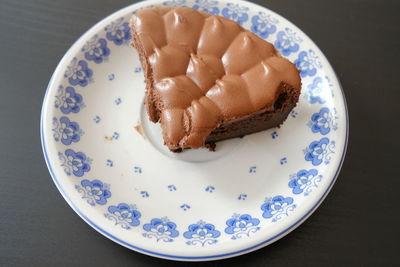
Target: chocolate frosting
[{"x": 204, "y": 70}]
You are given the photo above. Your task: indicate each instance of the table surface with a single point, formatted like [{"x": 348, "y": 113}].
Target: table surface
[{"x": 358, "y": 223}]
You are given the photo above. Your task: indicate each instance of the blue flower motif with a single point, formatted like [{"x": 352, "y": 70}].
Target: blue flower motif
[
  {"x": 97, "y": 119},
  {"x": 263, "y": 24},
  {"x": 207, "y": 6},
  {"x": 253, "y": 169},
  {"x": 210, "y": 188},
  {"x": 307, "y": 63},
  {"x": 77, "y": 161},
  {"x": 304, "y": 181},
  {"x": 236, "y": 12},
  {"x": 172, "y": 187},
  {"x": 94, "y": 192},
  {"x": 242, "y": 197},
  {"x": 180, "y": 3},
  {"x": 201, "y": 233},
  {"x": 118, "y": 32},
  {"x": 185, "y": 207},
  {"x": 118, "y": 101},
  {"x": 124, "y": 215},
  {"x": 141, "y": 8},
  {"x": 277, "y": 207},
  {"x": 78, "y": 73},
  {"x": 323, "y": 121},
  {"x": 144, "y": 194},
  {"x": 68, "y": 100},
  {"x": 161, "y": 229},
  {"x": 320, "y": 151},
  {"x": 294, "y": 113},
  {"x": 315, "y": 91},
  {"x": 287, "y": 42},
  {"x": 96, "y": 49},
  {"x": 241, "y": 225},
  {"x": 115, "y": 136},
  {"x": 66, "y": 130}
]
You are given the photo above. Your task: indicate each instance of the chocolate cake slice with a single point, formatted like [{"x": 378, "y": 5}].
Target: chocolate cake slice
[{"x": 208, "y": 79}]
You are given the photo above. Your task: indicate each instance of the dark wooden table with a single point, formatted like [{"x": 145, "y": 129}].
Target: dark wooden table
[{"x": 358, "y": 223}]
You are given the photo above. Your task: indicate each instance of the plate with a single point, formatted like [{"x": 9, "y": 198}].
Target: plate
[{"x": 109, "y": 163}]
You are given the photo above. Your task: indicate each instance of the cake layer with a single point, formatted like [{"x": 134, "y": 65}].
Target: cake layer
[{"x": 205, "y": 74}]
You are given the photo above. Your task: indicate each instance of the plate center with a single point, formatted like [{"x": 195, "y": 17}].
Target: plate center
[{"x": 153, "y": 133}]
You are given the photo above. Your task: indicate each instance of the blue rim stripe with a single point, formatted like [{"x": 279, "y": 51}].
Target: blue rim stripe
[{"x": 175, "y": 257}]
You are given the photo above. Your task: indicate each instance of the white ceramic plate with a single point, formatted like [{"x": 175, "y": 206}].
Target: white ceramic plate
[{"x": 195, "y": 205}]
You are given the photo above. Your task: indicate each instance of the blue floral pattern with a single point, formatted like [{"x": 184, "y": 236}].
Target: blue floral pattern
[
  {"x": 96, "y": 49},
  {"x": 287, "y": 42},
  {"x": 315, "y": 91},
  {"x": 242, "y": 197},
  {"x": 137, "y": 169},
  {"x": 68, "y": 100},
  {"x": 95, "y": 192},
  {"x": 161, "y": 230},
  {"x": 207, "y": 6},
  {"x": 118, "y": 101},
  {"x": 320, "y": 151},
  {"x": 210, "y": 188},
  {"x": 111, "y": 76},
  {"x": 330, "y": 84},
  {"x": 201, "y": 233},
  {"x": 241, "y": 225},
  {"x": 307, "y": 63},
  {"x": 236, "y": 12},
  {"x": 323, "y": 121},
  {"x": 179, "y": 3},
  {"x": 185, "y": 207},
  {"x": 172, "y": 187},
  {"x": 144, "y": 194},
  {"x": 78, "y": 73},
  {"x": 118, "y": 32},
  {"x": 277, "y": 207},
  {"x": 141, "y": 8},
  {"x": 263, "y": 24},
  {"x": 74, "y": 162},
  {"x": 124, "y": 215},
  {"x": 65, "y": 130},
  {"x": 97, "y": 119},
  {"x": 304, "y": 181}
]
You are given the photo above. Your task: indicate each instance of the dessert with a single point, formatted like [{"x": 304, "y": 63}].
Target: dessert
[{"x": 208, "y": 79}]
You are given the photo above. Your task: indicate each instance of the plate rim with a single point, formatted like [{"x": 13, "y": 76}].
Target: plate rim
[{"x": 177, "y": 257}]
